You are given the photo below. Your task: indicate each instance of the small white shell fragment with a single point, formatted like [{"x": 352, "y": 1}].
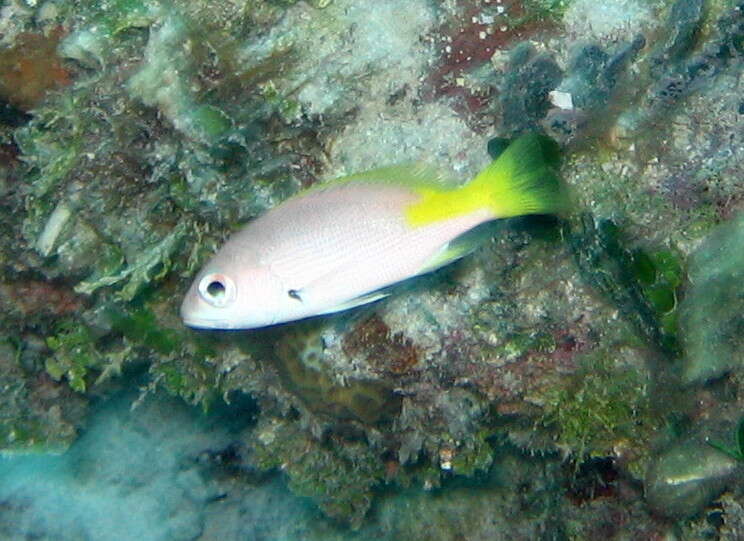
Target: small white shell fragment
[
  {"x": 54, "y": 226},
  {"x": 560, "y": 99}
]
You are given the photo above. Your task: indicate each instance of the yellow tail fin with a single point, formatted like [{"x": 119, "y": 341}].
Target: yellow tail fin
[{"x": 522, "y": 180}]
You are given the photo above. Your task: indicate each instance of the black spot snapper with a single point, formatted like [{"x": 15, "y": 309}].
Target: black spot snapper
[{"x": 339, "y": 244}]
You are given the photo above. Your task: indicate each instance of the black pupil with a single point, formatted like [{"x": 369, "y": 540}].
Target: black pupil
[{"x": 216, "y": 289}]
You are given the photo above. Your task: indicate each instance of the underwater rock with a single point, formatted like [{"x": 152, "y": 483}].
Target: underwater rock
[
  {"x": 387, "y": 353},
  {"x": 38, "y": 415},
  {"x": 691, "y": 74},
  {"x": 591, "y": 80},
  {"x": 164, "y": 81},
  {"x": 565, "y": 125},
  {"x": 711, "y": 316},
  {"x": 585, "y": 82},
  {"x": 685, "y": 478},
  {"x": 422, "y": 391},
  {"x": 605, "y": 262},
  {"x": 524, "y": 93},
  {"x": 298, "y": 361},
  {"x": 682, "y": 24},
  {"x": 449, "y": 427},
  {"x": 32, "y": 68},
  {"x": 337, "y": 473},
  {"x": 675, "y": 72},
  {"x": 601, "y": 407},
  {"x": 611, "y": 19}
]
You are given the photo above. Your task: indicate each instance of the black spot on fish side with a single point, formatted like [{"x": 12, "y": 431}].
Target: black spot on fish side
[{"x": 293, "y": 293}]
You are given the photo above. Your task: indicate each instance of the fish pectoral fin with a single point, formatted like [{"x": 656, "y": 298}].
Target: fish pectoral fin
[
  {"x": 356, "y": 301},
  {"x": 459, "y": 247}
]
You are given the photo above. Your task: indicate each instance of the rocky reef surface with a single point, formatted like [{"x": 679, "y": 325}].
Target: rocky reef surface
[{"x": 577, "y": 378}]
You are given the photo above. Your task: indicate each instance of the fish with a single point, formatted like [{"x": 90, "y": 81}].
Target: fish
[{"x": 345, "y": 243}]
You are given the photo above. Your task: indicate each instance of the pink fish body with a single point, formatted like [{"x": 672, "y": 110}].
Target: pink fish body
[{"x": 339, "y": 245}]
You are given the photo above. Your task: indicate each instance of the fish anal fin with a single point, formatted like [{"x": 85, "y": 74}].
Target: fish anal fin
[
  {"x": 356, "y": 301},
  {"x": 459, "y": 247}
]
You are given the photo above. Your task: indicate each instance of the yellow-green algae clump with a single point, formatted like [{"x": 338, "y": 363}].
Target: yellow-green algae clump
[{"x": 601, "y": 408}]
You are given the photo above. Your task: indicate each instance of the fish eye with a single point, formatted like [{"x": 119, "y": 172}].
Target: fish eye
[{"x": 217, "y": 289}]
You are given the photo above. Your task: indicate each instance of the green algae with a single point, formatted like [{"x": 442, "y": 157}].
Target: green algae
[
  {"x": 141, "y": 326},
  {"x": 183, "y": 363},
  {"x": 477, "y": 457},
  {"x": 516, "y": 345},
  {"x": 120, "y": 15},
  {"x": 734, "y": 451},
  {"x": 660, "y": 274},
  {"x": 148, "y": 267},
  {"x": 75, "y": 355},
  {"x": 287, "y": 108},
  {"x": 194, "y": 381},
  {"x": 550, "y": 10},
  {"x": 319, "y": 4},
  {"x": 601, "y": 405}
]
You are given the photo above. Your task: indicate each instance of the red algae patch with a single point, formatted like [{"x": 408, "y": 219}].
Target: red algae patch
[
  {"x": 386, "y": 352},
  {"x": 31, "y": 68},
  {"x": 36, "y": 297},
  {"x": 469, "y": 41}
]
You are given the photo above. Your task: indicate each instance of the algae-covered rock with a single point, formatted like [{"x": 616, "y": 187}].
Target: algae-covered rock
[
  {"x": 711, "y": 316},
  {"x": 644, "y": 288},
  {"x": 524, "y": 94},
  {"x": 604, "y": 405},
  {"x": 612, "y": 18},
  {"x": 682, "y": 23},
  {"x": 338, "y": 474},
  {"x": 679, "y": 65},
  {"x": 38, "y": 415},
  {"x": 594, "y": 75},
  {"x": 164, "y": 81}
]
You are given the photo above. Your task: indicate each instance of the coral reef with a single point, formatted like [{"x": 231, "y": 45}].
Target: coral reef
[{"x": 529, "y": 390}]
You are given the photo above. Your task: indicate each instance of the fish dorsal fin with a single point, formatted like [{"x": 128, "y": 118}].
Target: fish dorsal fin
[{"x": 415, "y": 175}]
